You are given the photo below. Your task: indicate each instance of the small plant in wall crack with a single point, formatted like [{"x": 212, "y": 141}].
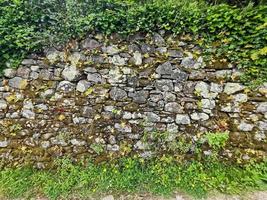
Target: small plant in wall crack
[{"x": 217, "y": 140}]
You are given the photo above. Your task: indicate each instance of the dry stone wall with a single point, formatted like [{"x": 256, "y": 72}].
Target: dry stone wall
[{"x": 100, "y": 96}]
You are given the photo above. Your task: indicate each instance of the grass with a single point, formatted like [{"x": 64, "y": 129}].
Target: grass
[{"x": 160, "y": 177}]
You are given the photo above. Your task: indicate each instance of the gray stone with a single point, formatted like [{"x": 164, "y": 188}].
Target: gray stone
[
  {"x": 90, "y": 44},
  {"x": 202, "y": 89},
  {"x": 168, "y": 96},
  {"x": 112, "y": 50},
  {"x": 117, "y": 60},
  {"x": 53, "y": 56},
  {"x": 199, "y": 116},
  {"x": 28, "y": 114},
  {"x": 260, "y": 136},
  {"x": 140, "y": 96},
  {"x": 241, "y": 98},
  {"x": 3, "y": 104},
  {"x": 175, "y": 54},
  {"x": 45, "y": 74},
  {"x": 173, "y": 107},
  {"x": 34, "y": 75},
  {"x": 158, "y": 39},
  {"x": 83, "y": 85},
  {"x": 123, "y": 128},
  {"x": 207, "y": 103},
  {"x": 172, "y": 128},
  {"x": 90, "y": 70},
  {"x": 47, "y": 93},
  {"x": 94, "y": 78},
  {"x": 165, "y": 69},
  {"x": 66, "y": 86},
  {"x": 262, "y": 107},
  {"x": 243, "y": 126},
  {"x": 231, "y": 88},
  {"x": 114, "y": 147},
  {"x": 137, "y": 58},
  {"x": 263, "y": 125},
  {"x": 28, "y": 62},
  {"x": 179, "y": 75},
  {"x": 140, "y": 145},
  {"x": 23, "y": 72},
  {"x": 18, "y": 83},
  {"x": 76, "y": 58},
  {"x": 152, "y": 117},
  {"x": 70, "y": 73},
  {"x": 3, "y": 144},
  {"x": 214, "y": 87},
  {"x": 155, "y": 97},
  {"x": 164, "y": 85},
  {"x": 77, "y": 142},
  {"x": 182, "y": 119},
  {"x": 10, "y": 73},
  {"x": 88, "y": 111},
  {"x": 109, "y": 197},
  {"x": 117, "y": 94},
  {"x": 188, "y": 62},
  {"x": 45, "y": 144}
]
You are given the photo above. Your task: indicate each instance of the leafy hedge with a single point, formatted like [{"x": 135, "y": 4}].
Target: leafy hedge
[{"x": 240, "y": 34}]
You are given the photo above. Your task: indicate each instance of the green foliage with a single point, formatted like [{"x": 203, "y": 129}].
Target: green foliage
[
  {"x": 217, "y": 140},
  {"x": 238, "y": 34},
  {"x": 162, "y": 176}
]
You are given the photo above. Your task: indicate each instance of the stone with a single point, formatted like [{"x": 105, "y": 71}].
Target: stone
[
  {"x": 83, "y": 86},
  {"x": 28, "y": 114},
  {"x": 182, "y": 119},
  {"x": 164, "y": 85},
  {"x": 3, "y": 144},
  {"x": 117, "y": 60},
  {"x": 77, "y": 142},
  {"x": 76, "y": 58},
  {"x": 172, "y": 128},
  {"x": 165, "y": 69},
  {"x": 199, "y": 116},
  {"x": 140, "y": 145},
  {"x": 66, "y": 86},
  {"x": 140, "y": 96},
  {"x": 10, "y": 73},
  {"x": 53, "y": 56},
  {"x": 188, "y": 62},
  {"x": 175, "y": 54},
  {"x": 262, "y": 107},
  {"x": 18, "y": 83},
  {"x": 179, "y": 75},
  {"x": 169, "y": 96},
  {"x": 23, "y": 72},
  {"x": 90, "y": 44},
  {"x": 158, "y": 39},
  {"x": 243, "y": 126},
  {"x": 137, "y": 58},
  {"x": 260, "y": 136},
  {"x": 90, "y": 70},
  {"x": 241, "y": 98},
  {"x": 152, "y": 117},
  {"x": 47, "y": 93},
  {"x": 207, "y": 103},
  {"x": 3, "y": 104},
  {"x": 70, "y": 73},
  {"x": 202, "y": 89},
  {"x": 28, "y": 62},
  {"x": 112, "y": 50},
  {"x": 96, "y": 78},
  {"x": 214, "y": 87},
  {"x": 109, "y": 197},
  {"x": 231, "y": 88},
  {"x": 263, "y": 125},
  {"x": 45, "y": 74},
  {"x": 88, "y": 111},
  {"x": 173, "y": 107},
  {"x": 124, "y": 128},
  {"x": 117, "y": 94}
]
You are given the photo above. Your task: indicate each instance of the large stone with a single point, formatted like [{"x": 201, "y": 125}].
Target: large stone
[
  {"x": 158, "y": 39},
  {"x": 140, "y": 96},
  {"x": 18, "y": 83},
  {"x": 3, "y": 104},
  {"x": 199, "y": 116},
  {"x": 173, "y": 107},
  {"x": 263, "y": 125},
  {"x": 164, "y": 85},
  {"x": 109, "y": 197},
  {"x": 70, "y": 73},
  {"x": 188, "y": 62},
  {"x": 262, "y": 107},
  {"x": 207, "y": 103},
  {"x": 243, "y": 126},
  {"x": 83, "y": 85},
  {"x": 45, "y": 74},
  {"x": 124, "y": 128},
  {"x": 137, "y": 58},
  {"x": 90, "y": 44},
  {"x": 202, "y": 89},
  {"x": 96, "y": 78},
  {"x": 152, "y": 117},
  {"x": 112, "y": 50},
  {"x": 117, "y": 60},
  {"x": 66, "y": 86},
  {"x": 231, "y": 88},
  {"x": 10, "y": 73},
  {"x": 172, "y": 128},
  {"x": 179, "y": 75},
  {"x": 165, "y": 69},
  {"x": 117, "y": 94},
  {"x": 3, "y": 144},
  {"x": 182, "y": 119},
  {"x": 23, "y": 72},
  {"x": 28, "y": 114},
  {"x": 175, "y": 54}
]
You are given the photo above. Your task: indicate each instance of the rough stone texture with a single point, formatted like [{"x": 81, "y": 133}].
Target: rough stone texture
[{"x": 110, "y": 96}]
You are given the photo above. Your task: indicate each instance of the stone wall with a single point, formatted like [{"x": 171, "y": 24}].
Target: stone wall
[{"x": 98, "y": 97}]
